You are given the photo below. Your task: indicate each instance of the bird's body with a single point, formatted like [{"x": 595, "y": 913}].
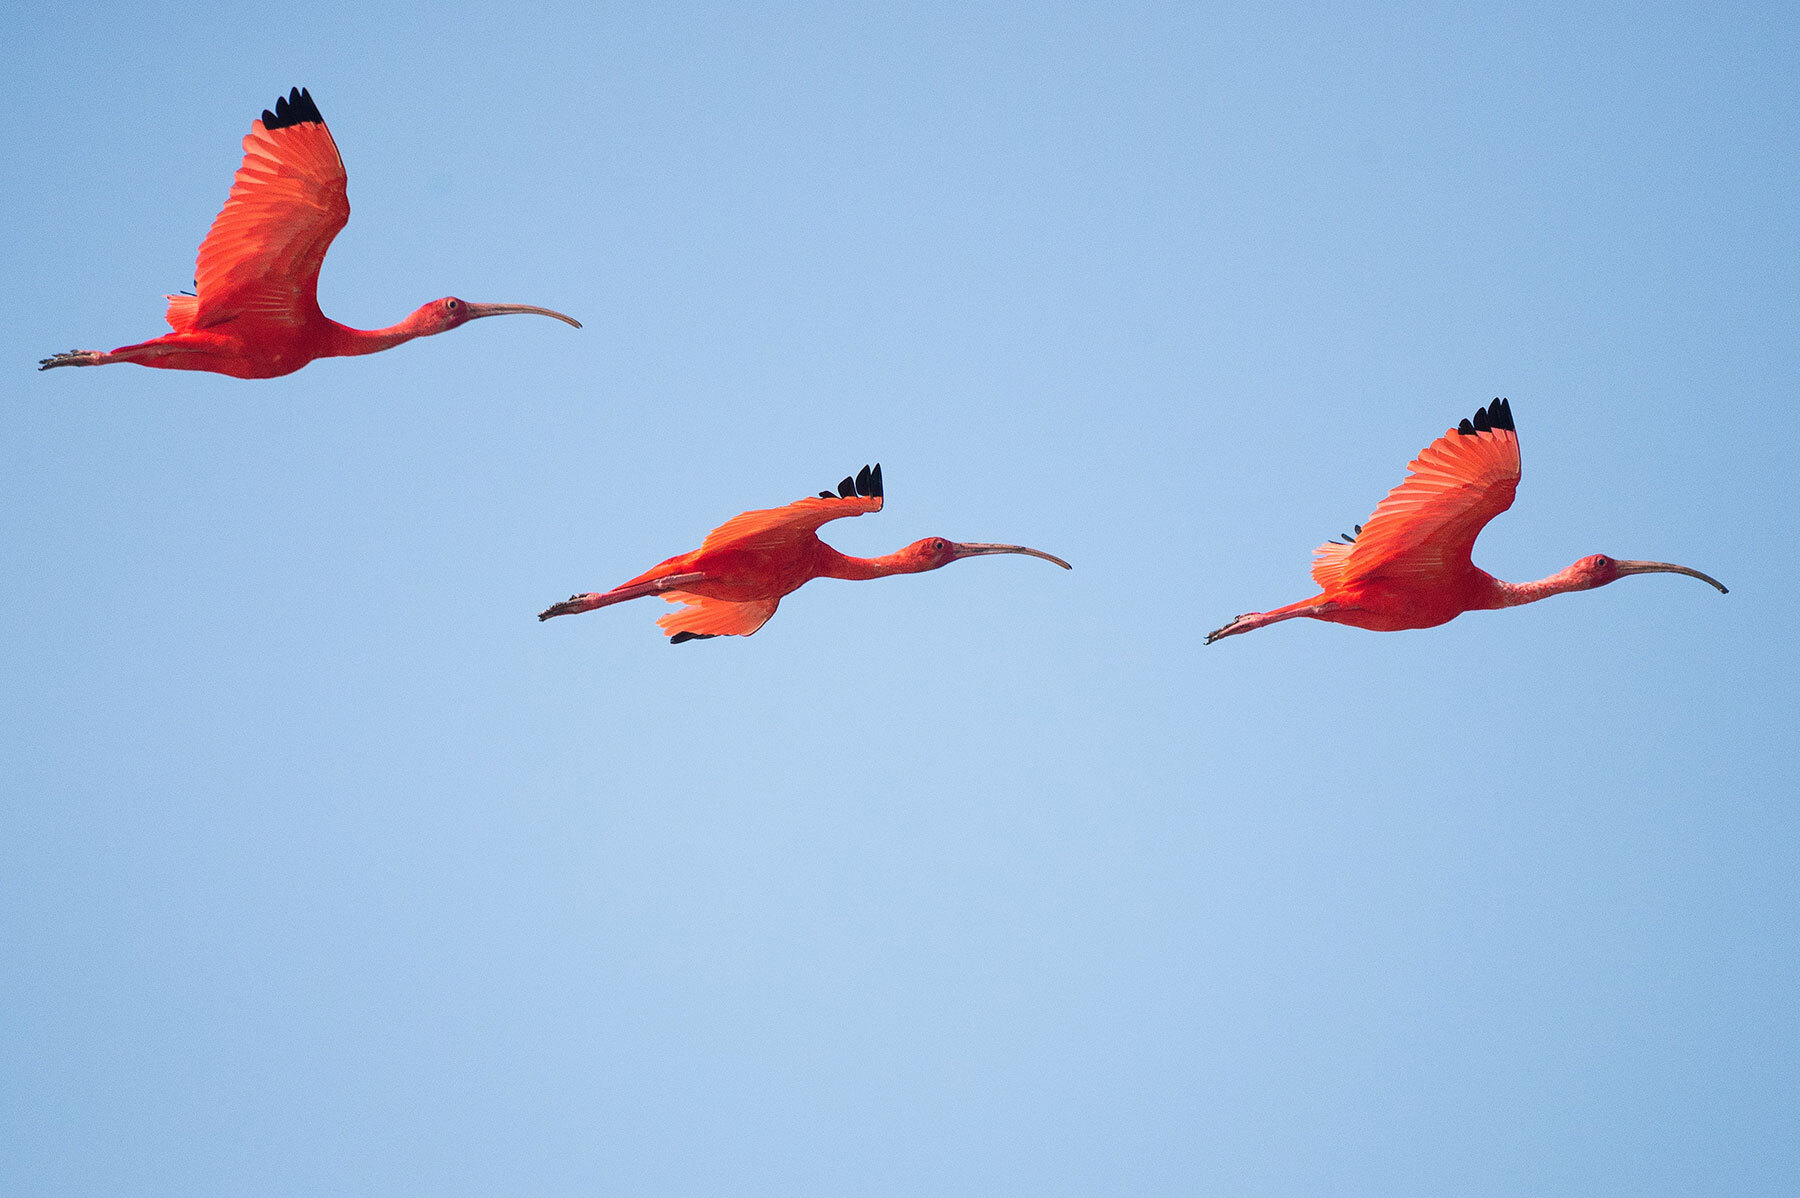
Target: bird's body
[
  {"x": 1410, "y": 567},
  {"x": 732, "y": 584},
  {"x": 255, "y": 311}
]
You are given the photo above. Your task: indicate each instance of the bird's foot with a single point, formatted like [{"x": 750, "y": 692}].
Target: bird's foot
[
  {"x": 75, "y": 357},
  {"x": 1216, "y": 633},
  {"x": 569, "y": 606}
]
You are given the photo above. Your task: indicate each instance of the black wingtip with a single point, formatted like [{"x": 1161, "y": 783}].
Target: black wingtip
[
  {"x": 865, "y": 482},
  {"x": 681, "y": 638},
  {"x": 295, "y": 108},
  {"x": 1497, "y": 415}
]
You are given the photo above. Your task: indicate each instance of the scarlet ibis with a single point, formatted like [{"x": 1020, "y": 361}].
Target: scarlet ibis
[
  {"x": 731, "y": 585},
  {"x": 255, "y": 312},
  {"x": 1409, "y": 566}
]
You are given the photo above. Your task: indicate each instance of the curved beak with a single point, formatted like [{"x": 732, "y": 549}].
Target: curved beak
[
  {"x": 972, "y": 549},
  {"x": 477, "y": 311},
  {"x": 1666, "y": 568}
]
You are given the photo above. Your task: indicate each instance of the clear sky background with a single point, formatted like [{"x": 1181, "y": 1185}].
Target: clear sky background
[{"x": 326, "y": 868}]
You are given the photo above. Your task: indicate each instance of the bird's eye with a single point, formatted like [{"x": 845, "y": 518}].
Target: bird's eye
[
  {"x": 453, "y": 305},
  {"x": 939, "y": 546}
]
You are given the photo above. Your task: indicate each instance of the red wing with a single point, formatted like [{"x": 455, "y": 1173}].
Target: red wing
[
  {"x": 785, "y": 525},
  {"x": 703, "y": 617},
  {"x": 1328, "y": 564},
  {"x": 287, "y": 202},
  {"x": 181, "y": 311},
  {"x": 1429, "y": 522}
]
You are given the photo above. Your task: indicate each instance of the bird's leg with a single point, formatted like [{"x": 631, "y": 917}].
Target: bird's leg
[
  {"x": 573, "y": 604},
  {"x": 75, "y": 357},
  {"x": 173, "y": 351},
  {"x": 1251, "y": 621},
  {"x": 593, "y": 599},
  {"x": 1238, "y": 624}
]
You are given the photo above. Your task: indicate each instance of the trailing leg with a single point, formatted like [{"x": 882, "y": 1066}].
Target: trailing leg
[
  {"x": 185, "y": 350},
  {"x": 1315, "y": 608},
  {"x": 593, "y": 599},
  {"x": 75, "y": 357}
]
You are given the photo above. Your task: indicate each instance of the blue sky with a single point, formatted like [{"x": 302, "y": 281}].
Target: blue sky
[{"x": 325, "y": 868}]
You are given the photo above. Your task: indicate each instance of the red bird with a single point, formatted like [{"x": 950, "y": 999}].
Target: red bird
[
  {"x": 731, "y": 585},
  {"x": 255, "y": 314},
  {"x": 1409, "y": 566}
]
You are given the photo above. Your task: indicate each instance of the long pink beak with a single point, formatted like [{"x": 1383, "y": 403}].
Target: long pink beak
[
  {"x": 1666, "y": 568},
  {"x": 477, "y": 311},
  {"x": 972, "y": 549}
]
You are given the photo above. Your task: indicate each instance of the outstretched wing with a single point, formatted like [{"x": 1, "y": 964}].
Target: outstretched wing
[
  {"x": 1428, "y": 523},
  {"x": 262, "y": 255},
  {"x": 701, "y": 617},
  {"x": 770, "y": 527}
]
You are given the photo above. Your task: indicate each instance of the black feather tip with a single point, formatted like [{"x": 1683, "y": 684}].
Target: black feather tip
[
  {"x": 1497, "y": 415},
  {"x": 682, "y": 637},
  {"x": 866, "y": 482},
  {"x": 295, "y": 108}
]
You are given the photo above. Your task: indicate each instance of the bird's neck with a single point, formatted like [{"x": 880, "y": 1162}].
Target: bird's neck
[
  {"x": 347, "y": 342},
  {"x": 1512, "y": 594},
  {"x": 833, "y": 564}
]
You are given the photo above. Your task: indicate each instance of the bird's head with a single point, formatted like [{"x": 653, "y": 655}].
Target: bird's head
[
  {"x": 1596, "y": 570},
  {"x": 933, "y": 552},
  {"x": 440, "y": 316}
]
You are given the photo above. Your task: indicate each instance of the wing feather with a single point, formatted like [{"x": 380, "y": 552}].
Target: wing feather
[
  {"x": 1430, "y": 521},
  {"x": 181, "y": 311},
  {"x": 770, "y": 527},
  {"x": 288, "y": 201},
  {"x": 783, "y": 524},
  {"x": 1328, "y": 564},
  {"x": 701, "y": 616}
]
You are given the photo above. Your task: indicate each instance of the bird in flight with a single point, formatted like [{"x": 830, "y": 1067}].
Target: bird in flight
[
  {"x": 255, "y": 312},
  {"x": 731, "y": 585},
  {"x": 1409, "y": 566}
]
